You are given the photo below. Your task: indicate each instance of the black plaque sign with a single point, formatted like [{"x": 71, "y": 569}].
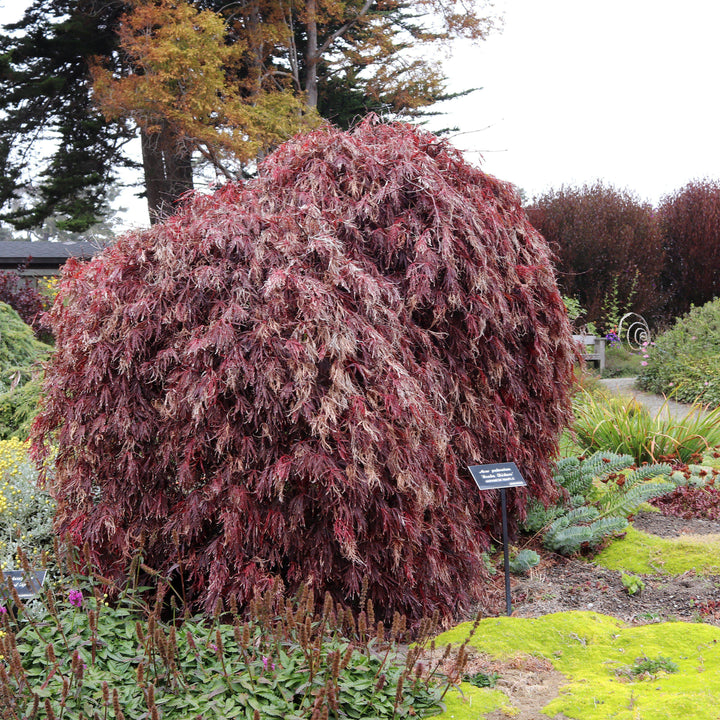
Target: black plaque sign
[
  {"x": 27, "y": 586},
  {"x": 500, "y": 475}
]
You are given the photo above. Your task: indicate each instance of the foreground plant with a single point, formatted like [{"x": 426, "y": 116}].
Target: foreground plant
[
  {"x": 26, "y": 510},
  {"x": 71, "y": 655}
]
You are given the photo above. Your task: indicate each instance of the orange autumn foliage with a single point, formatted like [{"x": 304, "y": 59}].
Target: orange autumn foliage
[{"x": 183, "y": 81}]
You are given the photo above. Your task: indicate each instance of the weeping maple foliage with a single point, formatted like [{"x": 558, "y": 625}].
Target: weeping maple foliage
[{"x": 289, "y": 377}]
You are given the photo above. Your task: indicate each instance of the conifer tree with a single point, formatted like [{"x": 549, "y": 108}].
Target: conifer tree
[
  {"x": 343, "y": 58},
  {"x": 45, "y": 101}
]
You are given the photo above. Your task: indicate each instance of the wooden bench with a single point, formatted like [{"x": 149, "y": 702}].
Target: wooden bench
[{"x": 593, "y": 349}]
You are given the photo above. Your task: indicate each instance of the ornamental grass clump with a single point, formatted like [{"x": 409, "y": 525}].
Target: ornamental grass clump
[
  {"x": 623, "y": 425},
  {"x": 289, "y": 377}
]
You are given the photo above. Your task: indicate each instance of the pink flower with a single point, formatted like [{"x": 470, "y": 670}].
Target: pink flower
[
  {"x": 75, "y": 597},
  {"x": 644, "y": 362},
  {"x": 3, "y": 609},
  {"x": 671, "y": 384}
]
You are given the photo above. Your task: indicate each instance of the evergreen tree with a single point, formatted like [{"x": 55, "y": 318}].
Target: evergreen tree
[
  {"x": 65, "y": 59},
  {"x": 48, "y": 120}
]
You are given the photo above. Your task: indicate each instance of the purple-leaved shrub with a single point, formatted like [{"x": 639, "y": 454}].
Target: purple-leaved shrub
[{"x": 288, "y": 377}]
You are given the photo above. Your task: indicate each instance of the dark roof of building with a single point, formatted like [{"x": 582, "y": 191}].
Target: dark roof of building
[{"x": 43, "y": 252}]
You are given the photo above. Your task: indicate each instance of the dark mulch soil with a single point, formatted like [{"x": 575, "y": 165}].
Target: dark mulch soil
[
  {"x": 656, "y": 523},
  {"x": 559, "y": 584}
]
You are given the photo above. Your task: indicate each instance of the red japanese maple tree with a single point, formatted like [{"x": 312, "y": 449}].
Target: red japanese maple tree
[{"x": 289, "y": 377}]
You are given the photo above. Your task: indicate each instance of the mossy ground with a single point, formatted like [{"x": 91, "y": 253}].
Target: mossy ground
[
  {"x": 646, "y": 554},
  {"x": 473, "y": 702},
  {"x": 592, "y": 650}
]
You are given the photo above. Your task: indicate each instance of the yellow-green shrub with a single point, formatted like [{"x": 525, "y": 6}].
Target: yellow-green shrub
[{"x": 25, "y": 510}]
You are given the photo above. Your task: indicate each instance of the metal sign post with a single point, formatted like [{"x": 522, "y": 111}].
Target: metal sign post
[{"x": 499, "y": 477}]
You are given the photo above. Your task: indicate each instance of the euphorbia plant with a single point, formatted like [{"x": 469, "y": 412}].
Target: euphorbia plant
[{"x": 288, "y": 377}]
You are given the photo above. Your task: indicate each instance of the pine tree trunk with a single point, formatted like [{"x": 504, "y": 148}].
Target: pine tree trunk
[
  {"x": 311, "y": 58},
  {"x": 255, "y": 48},
  {"x": 168, "y": 172}
]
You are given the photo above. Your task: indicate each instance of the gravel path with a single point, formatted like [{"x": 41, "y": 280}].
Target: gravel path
[{"x": 656, "y": 404}]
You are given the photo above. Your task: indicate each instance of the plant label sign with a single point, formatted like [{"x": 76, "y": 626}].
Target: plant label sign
[
  {"x": 500, "y": 476},
  {"x": 27, "y": 586},
  {"x": 494, "y": 477}
]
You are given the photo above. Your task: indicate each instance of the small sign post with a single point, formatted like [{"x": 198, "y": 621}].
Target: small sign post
[
  {"x": 27, "y": 586},
  {"x": 500, "y": 476}
]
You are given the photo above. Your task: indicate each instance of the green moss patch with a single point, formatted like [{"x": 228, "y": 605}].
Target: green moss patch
[
  {"x": 597, "y": 654},
  {"x": 469, "y": 702},
  {"x": 646, "y": 554}
]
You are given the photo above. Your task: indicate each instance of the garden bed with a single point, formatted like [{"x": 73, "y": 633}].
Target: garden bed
[
  {"x": 559, "y": 583},
  {"x": 531, "y": 683}
]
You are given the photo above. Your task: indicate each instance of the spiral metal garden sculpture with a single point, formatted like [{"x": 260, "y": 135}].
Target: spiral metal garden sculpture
[{"x": 633, "y": 330}]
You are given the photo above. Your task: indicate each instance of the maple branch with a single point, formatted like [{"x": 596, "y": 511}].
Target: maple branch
[
  {"x": 272, "y": 73},
  {"x": 211, "y": 157},
  {"x": 294, "y": 63},
  {"x": 343, "y": 29}
]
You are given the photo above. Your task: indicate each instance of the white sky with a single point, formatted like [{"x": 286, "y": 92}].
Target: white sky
[
  {"x": 576, "y": 90},
  {"x": 624, "y": 91}
]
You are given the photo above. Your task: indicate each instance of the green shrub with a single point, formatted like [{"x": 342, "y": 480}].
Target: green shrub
[
  {"x": 18, "y": 408},
  {"x": 20, "y": 353},
  {"x": 26, "y": 511},
  {"x": 684, "y": 362},
  {"x": 622, "y": 425},
  {"x": 19, "y": 349}
]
